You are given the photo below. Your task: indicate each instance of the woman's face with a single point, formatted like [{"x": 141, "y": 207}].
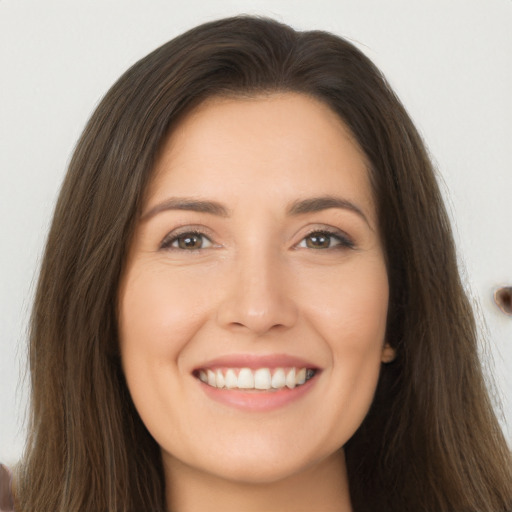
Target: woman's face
[{"x": 256, "y": 264}]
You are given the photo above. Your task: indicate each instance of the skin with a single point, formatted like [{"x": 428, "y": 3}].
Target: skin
[{"x": 258, "y": 284}]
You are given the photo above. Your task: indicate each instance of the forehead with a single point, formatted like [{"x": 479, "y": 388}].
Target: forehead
[{"x": 250, "y": 147}]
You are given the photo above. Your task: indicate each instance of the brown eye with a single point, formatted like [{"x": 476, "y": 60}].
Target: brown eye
[
  {"x": 191, "y": 241},
  {"x": 326, "y": 240},
  {"x": 187, "y": 241},
  {"x": 318, "y": 241}
]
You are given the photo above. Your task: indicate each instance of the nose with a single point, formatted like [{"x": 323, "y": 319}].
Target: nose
[{"x": 258, "y": 295}]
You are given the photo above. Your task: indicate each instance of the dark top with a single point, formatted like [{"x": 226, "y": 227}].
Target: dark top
[{"x": 6, "y": 501}]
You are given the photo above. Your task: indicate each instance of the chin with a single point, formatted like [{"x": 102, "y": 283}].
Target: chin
[
  {"x": 265, "y": 461},
  {"x": 257, "y": 471}
]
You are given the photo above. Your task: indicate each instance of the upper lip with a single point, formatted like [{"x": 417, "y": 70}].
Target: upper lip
[{"x": 255, "y": 361}]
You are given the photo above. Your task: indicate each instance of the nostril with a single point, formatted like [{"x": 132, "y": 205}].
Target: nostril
[{"x": 503, "y": 298}]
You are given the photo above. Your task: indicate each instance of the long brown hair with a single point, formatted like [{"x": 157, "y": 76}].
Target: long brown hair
[{"x": 430, "y": 442}]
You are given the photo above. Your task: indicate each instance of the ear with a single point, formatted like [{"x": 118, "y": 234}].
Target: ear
[{"x": 388, "y": 353}]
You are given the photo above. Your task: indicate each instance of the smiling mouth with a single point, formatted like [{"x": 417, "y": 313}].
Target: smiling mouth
[{"x": 262, "y": 379}]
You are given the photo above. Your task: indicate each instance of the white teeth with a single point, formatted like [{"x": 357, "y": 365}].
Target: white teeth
[
  {"x": 300, "y": 377},
  {"x": 290, "y": 379},
  {"x": 231, "y": 379},
  {"x": 245, "y": 379},
  {"x": 219, "y": 378},
  {"x": 279, "y": 379},
  {"x": 262, "y": 379}
]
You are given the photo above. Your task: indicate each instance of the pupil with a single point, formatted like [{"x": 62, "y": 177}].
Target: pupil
[
  {"x": 319, "y": 241},
  {"x": 190, "y": 242}
]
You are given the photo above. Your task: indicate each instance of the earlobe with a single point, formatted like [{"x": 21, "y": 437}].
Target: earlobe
[{"x": 388, "y": 353}]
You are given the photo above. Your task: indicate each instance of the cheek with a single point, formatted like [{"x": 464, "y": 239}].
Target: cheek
[
  {"x": 350, "y": 308},
  {"x": 353, "y": 323},
  {"x": 157, "y": 314},
  {"x": 156, "y": 320}
]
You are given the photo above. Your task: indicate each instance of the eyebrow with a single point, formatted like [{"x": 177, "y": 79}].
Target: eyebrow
[
  {"x": 298, "y": 207},
  {"x": 186, "y": 203},
  {"x": 317, "y": 204}
]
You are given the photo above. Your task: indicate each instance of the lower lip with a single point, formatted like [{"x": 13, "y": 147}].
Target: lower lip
[{"x": 259, "y": 401}]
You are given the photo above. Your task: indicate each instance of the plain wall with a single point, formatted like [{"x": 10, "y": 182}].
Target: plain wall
[{"x": 450, "y": 61}]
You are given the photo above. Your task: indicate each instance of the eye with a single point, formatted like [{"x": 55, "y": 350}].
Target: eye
[
  {"x": 325, "y": 240},
  {"x": 189, "y": 241}
]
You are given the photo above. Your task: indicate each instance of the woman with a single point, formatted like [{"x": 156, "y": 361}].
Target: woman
[{"x": 250, "y": 300}]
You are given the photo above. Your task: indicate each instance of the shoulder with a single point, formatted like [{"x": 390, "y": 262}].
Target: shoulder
[{"x": 6, "y": 500}]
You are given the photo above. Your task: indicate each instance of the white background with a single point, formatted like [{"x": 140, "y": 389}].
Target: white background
[{"x": 449, "y": 60}]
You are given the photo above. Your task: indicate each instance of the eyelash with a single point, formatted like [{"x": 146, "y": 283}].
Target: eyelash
[
  {"x": 343, "y": 241},
  {"x": 172, "y": 238}
]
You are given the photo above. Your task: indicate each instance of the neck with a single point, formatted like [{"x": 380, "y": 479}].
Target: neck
[{"x": 323, "y": 486}]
